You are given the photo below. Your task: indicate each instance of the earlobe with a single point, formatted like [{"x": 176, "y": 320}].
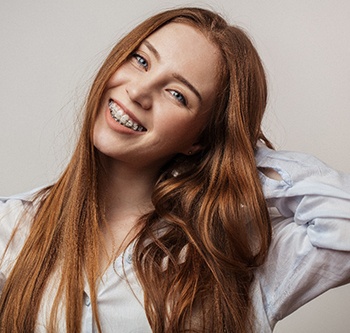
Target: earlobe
[{"x": 194, "y": 149}]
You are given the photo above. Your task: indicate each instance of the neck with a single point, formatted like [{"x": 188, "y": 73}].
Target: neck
[
  {"x": 126, "y": 189},
  {"x": 125, "y": 193}
]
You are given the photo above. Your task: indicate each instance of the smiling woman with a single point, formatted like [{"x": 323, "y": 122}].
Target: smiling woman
[
  {"x": 175, "y": 214},
  {"x": 155, "y": 87}
]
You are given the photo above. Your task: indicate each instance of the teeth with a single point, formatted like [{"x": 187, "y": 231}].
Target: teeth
[
  {"x": 129, "y": 124},
  {"x": 119, "y": 114},
  {"x": 122, "y": 118}
]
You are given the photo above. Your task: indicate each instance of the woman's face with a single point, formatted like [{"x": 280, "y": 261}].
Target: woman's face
[{"x": 157, "y": 103}]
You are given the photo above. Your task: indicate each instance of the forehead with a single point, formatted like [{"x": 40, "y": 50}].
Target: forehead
[{"x": 187, "y": 51}]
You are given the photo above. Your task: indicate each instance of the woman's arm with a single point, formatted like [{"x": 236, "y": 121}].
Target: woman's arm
[{"x": 309, "y": 205}]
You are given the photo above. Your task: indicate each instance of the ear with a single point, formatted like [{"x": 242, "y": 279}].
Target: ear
[{"x": 193, "y": 149}]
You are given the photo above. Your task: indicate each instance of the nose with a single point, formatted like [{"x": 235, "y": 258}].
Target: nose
[{"x": 140, "y": 92}]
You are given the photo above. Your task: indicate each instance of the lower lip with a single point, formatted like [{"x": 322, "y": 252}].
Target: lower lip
[{"x": 117, "y": 127}]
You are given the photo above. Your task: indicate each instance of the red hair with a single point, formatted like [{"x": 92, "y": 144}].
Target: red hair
[{"x": 214, "y": 221}]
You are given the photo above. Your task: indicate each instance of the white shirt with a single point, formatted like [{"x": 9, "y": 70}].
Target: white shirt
[{"x": 309, "y": 254}]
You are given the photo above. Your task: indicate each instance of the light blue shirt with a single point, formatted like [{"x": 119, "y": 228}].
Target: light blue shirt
[{"x": 310, "y": 251}]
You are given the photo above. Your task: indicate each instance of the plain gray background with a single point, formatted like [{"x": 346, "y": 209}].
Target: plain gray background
[{"x": 50, "y": 50}]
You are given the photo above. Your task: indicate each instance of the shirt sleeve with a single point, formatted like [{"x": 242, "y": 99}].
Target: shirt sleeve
[{"x": 310, "y": 215}]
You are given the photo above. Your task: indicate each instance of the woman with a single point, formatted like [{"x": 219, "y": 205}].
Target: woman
[{"x": 163, "y": 219}]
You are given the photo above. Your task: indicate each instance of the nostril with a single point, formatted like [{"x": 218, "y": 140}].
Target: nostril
[{"x": 140, "y": 96}]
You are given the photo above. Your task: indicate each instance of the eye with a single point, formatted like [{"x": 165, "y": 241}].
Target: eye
[
  {"x": 141, "y": 61},
  {"x": 179, "y": 97}
]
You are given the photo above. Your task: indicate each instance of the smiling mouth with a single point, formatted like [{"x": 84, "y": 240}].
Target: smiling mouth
[{"x": 122, "y": 118}]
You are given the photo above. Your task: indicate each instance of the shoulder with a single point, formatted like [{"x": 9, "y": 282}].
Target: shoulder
[
  {"x": 12, "y": 206},
  {"x": 16, "y": 213},
  {"x": 27, "y": 196}
]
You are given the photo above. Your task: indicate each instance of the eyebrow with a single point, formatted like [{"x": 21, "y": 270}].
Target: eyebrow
[
  {"x": 152, "y": 49},
  {"x": 188, "y": 84},
  {"x": 175, "y": 75}
]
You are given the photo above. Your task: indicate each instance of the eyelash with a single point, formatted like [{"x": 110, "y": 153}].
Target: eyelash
[
  {"x": 141, "y": 61},
  {"x": 179, "y": 97}
]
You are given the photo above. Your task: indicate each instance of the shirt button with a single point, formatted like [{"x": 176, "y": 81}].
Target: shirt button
[
  {"x": 129, "y": 259},
  {"x": 87, "y": 300}
]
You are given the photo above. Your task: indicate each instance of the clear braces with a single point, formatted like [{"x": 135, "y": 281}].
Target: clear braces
[{"x": 122, "y": 118}]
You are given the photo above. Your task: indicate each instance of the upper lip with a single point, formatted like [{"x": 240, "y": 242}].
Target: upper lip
[{"x": 128, "y": 112}]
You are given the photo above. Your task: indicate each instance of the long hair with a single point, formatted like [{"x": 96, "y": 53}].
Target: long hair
[{"x": 209, "y": 229}]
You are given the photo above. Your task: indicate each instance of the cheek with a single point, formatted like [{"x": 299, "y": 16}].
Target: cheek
[
  {"x": 119, "y": 76},
  {"x": 99, "y": 131},
  {"x": 183, "y": 129}
]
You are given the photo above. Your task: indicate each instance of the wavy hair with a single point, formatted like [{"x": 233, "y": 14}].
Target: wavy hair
[{"x": 197, "y": 251}]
